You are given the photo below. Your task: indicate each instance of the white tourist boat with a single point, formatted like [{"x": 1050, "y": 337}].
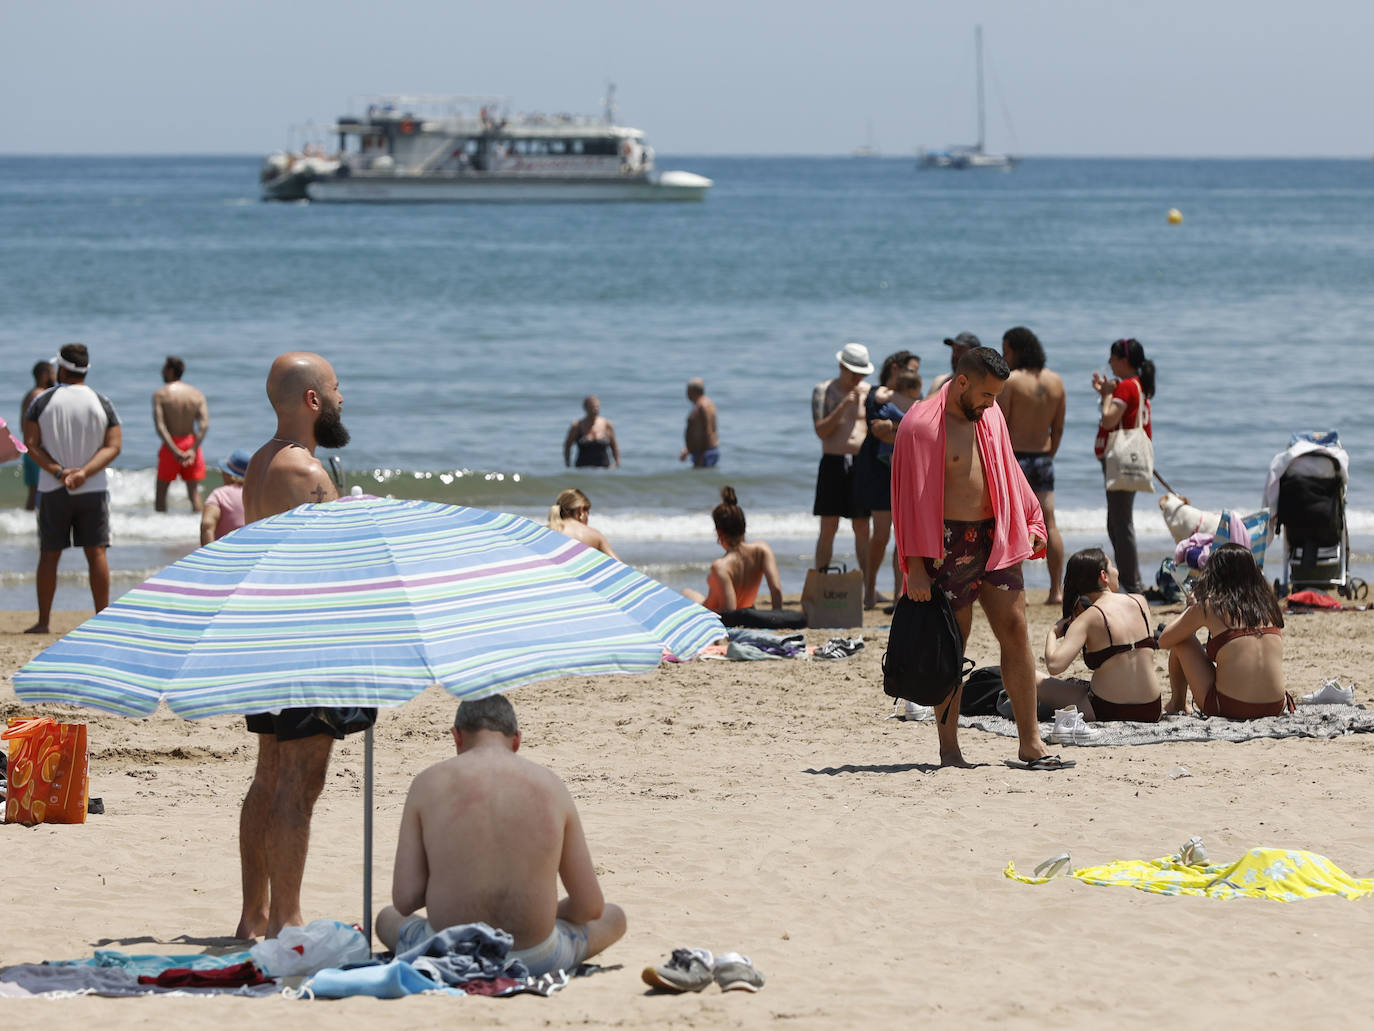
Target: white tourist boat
[{"x": 458, "y": 149}]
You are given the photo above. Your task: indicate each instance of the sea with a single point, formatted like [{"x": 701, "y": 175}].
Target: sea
[{"x": 465, "y": 337}]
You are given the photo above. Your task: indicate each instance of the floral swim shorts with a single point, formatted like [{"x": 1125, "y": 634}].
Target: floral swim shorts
[{"x": 965, "y": 566}]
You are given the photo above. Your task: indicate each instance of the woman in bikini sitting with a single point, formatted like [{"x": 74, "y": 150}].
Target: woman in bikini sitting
[
  {"x": 1239, "y": 674},
  {"x": 733, "y": 582},
  {"x": 1112, "y": 631},
  {"x": 568, "y": 515}
]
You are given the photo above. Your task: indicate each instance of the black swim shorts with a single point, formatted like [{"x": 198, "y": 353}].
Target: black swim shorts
[
  {"x": 294, "y": 724},
  {"x": 1039, "y": 470},
  {"x": 66, "y": 519},
  {"x": 837, "y": 489}
]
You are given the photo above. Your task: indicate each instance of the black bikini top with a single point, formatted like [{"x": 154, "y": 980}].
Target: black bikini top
[{"x": 1095, "y": 659}]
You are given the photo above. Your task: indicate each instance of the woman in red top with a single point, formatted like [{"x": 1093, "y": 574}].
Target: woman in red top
[{"x": 1125, "y": 403}]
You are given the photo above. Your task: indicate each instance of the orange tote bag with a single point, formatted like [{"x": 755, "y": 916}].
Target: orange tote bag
[{"x": 47, "y": 771}]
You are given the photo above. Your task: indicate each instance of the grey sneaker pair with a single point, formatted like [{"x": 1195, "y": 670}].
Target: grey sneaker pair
[{"x": 691, "y": 970}]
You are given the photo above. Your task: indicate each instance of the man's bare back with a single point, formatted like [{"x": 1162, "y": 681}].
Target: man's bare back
[
  {"x": 1033, "y": 403},
  {"x": 178, "y": 406},
  {"x": 499, "y": 822}
]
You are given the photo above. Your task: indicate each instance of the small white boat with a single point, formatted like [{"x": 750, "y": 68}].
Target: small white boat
[
  {"x": 968, "y": 155},
  {"x": 460, "y": 149}
]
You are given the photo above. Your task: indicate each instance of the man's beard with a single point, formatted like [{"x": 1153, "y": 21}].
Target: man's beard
[
  {"x": 329, "y": 429},
  {"x": 970, "y": 413}
]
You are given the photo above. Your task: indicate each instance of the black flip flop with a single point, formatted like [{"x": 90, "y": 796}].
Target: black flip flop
[{"x": 1045, "y": 764}]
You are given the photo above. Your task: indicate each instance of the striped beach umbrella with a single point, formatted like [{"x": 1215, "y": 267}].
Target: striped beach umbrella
[{"x": 366, "y": 601}]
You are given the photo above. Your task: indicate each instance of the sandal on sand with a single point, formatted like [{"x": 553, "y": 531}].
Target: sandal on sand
[
  {"x": 1045, "y": 764},
  {"x": 1055, "y": 866}
]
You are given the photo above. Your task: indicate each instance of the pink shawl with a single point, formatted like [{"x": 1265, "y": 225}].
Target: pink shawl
[{"x": 918, "y": 486}]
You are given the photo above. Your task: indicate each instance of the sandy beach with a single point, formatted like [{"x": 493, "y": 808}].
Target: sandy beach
[{"x": 767, "y": 808}]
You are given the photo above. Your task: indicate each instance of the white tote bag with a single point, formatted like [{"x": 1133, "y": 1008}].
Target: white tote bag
[{"x": 1129, "y": 458}]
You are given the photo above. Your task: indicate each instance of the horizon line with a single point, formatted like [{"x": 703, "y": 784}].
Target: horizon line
[{"x": 780, "y": 154}]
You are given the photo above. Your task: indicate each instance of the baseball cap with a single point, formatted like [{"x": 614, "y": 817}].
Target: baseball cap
[{"x": 963, "y": 340}]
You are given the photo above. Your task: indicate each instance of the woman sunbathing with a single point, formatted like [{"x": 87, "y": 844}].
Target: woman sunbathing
[
  {"x": 1239, "y": 674},
  {"x": 733, "y": 582},
  {"x": 568, "y": 515},
  {"x": 1112, "y": 631}
]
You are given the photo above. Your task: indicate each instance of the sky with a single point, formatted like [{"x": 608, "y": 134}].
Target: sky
[{"x": 1065, "y": 77}]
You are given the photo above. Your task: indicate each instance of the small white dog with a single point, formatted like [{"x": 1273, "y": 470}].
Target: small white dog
[{"x": 1183, "y": 519}]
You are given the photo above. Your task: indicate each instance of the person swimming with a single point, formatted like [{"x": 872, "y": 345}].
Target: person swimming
[
  {"x": 733, "y": 582},
  {"x": 568, "y": 516},
  {"x": 1239, "y": 673},
  {"x": 1111, "y": 632}
]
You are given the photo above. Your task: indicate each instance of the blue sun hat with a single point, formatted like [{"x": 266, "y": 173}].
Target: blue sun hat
[{"x": 237, "y": 463}]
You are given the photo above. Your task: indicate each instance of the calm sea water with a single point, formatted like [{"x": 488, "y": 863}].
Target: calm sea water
[{"x": 465, "y": 337}]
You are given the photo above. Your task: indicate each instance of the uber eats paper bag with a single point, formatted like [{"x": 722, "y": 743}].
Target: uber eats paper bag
[
  {"x": 833, "y": 598},
  {"x": 47, "y": 771}
]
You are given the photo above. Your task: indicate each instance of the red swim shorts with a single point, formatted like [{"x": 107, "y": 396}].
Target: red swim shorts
[{"x": 169, "y": 467}]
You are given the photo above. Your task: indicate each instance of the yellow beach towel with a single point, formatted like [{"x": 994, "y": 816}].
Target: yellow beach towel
[{"x": 1282, "y": 875}]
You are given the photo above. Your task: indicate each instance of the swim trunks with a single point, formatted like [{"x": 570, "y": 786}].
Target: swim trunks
[
  {"x": 30, "y": 471},
  {"x": 295, "y": 724},
  {"x": 563, "y": 949},
  {"x": 1039, "y": 469},
  {"x": 65, "y": 519},
  {"x": 707, "y": 459},
  {"x": 965, "y": 567},
  {"x": 169, "y": 467},
  {"x": 837, "y": 489}
]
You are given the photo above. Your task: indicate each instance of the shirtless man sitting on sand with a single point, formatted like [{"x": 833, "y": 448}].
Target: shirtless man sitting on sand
[
  {"x": 485, "y": 836},
  {"x": 182, "y": 418}
]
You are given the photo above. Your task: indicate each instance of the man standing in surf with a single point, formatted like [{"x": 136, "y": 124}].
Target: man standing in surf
[
  {"x": 293, "y": 744},
  {"x": 965, "y": 519}
]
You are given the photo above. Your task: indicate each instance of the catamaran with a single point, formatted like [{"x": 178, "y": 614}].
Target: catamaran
[
  {"x": 968, "y": 156},
  {"x": 452, "y": 149}
]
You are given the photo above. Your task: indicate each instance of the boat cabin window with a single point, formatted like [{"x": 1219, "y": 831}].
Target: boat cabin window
[{"x": 558, "y": 147}]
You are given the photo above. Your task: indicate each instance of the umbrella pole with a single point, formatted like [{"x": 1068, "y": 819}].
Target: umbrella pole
[{"x": 367, "y": 836}]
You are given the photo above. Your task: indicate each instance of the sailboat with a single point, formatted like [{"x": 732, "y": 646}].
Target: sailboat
[
  {"x": 967, "y": 156},
  {"x": 869, "y": 149}
]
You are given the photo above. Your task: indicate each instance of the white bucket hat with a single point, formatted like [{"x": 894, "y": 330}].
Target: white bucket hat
[{"x": 854, "y": 357}]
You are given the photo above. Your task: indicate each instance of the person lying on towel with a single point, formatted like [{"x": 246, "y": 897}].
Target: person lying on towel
[{"x": 486, "y": 836}]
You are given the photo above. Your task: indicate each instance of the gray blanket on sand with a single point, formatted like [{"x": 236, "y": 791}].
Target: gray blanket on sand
[{"x": 1323, "y": 721}]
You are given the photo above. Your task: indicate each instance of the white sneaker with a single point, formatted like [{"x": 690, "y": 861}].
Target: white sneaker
[
  {"x": 1071, "y": 729},
  {"x": 1330, "y": 693},
  {"x": 919, "y": 713}
]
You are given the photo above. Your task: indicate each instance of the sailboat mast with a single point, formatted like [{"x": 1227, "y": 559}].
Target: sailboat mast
[{"x": 978, "y": 48}]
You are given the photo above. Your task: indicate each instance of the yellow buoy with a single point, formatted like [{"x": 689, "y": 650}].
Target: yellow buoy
[{"x": 1175, "y": 216}]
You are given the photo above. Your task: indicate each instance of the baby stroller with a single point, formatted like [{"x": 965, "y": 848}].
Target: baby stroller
[{"x": 1306, "y": 494}]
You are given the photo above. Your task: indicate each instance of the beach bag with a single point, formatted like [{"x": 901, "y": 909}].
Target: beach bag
[
  {"x": 924, "y": 662},
  {"x": 1129, "y": 461},
  {"x": 47, "y": 771},
  {"x": 832, "y": 597},
  {"x": 1129, "y": 458}
]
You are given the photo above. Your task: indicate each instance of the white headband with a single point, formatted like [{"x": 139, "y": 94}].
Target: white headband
[{"x": 80, "y": 370}]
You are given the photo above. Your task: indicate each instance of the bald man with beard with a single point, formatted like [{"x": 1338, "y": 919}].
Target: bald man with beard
[{"x": 293, "y": 744}]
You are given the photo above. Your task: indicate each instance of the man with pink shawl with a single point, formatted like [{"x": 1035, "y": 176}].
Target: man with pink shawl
[{"x": 965, "y": 518}]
